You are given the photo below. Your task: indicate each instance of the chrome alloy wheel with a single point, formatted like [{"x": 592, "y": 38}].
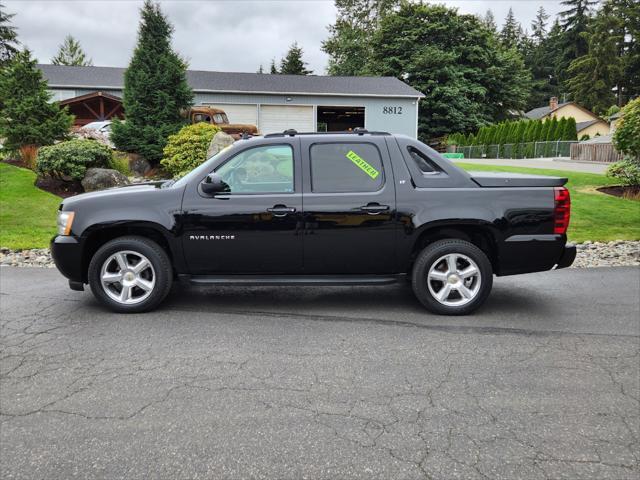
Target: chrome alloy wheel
[
  {"x": 127, "y": 277},
  {"x": 454, "y": 280}
]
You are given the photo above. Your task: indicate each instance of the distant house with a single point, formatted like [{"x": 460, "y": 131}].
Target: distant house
[{"x": 587, "y": 123}]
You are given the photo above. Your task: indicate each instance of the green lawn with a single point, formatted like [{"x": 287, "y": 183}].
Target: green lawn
[
  {"x": 27, "y": 214},
  {"x": 594, "y": 215}
]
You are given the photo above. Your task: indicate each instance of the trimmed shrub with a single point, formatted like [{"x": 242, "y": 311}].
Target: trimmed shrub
[
  {"x": 188, "y": 148},
  {"x": 627, "y": 171},
  {"x": 70, "y": 160},
  {"x": 626, "y": 138}
]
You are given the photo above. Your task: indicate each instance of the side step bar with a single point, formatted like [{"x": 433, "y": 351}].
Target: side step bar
[{"x": 284, "y": 280}]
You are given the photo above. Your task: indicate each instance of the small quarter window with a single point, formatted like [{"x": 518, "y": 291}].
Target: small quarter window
[
  {"x": 346, "y": 167},
  {"x": 422, "y": 161}
]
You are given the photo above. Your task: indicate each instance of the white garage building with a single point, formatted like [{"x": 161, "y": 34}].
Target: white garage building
[{"x": 272, "y": 102}]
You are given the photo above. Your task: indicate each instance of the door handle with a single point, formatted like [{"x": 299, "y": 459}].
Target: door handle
[
  {"x": 281, "y": 210},
  {"x": 374, "y": 208}
]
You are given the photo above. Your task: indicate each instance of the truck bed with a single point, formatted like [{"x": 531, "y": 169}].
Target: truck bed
[{"x": 503, "y": 179}]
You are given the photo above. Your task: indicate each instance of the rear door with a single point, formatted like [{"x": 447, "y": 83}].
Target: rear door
[{"x": 349, "y": 206}]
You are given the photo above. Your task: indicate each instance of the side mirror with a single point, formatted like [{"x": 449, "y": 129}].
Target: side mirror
[{"x": 213, "y": 184}]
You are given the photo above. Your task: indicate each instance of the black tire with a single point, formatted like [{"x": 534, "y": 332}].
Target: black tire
[
  {"x": 439, "y": 252},
  {"x": 161, "y": 272}
]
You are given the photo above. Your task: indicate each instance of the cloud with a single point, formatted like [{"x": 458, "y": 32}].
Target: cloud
[{"x": 212, "y": 35}]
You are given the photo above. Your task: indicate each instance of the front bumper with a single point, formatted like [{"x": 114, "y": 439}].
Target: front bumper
[
  {"x": 67, "y": 255},
  {"x": 567, "y": 257}
]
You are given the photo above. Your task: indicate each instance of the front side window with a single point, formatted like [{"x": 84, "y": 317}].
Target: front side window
[
  {"x": 267, "y": 169},
  {"x": 346, "y": 167},
  {"x": 219, "y": 118}
]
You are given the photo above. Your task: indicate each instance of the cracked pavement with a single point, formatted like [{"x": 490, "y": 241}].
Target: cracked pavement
[{"x": 350, "y": 382}]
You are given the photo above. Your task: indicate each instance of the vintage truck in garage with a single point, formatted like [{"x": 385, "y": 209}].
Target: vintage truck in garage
[{"x": 215, "y": 116}]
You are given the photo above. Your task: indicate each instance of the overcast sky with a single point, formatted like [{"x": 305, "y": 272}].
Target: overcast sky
[{"x": 223, "y": 35}]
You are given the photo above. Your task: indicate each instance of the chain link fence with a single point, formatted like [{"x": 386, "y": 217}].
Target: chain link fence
[{"x": 518, "y": 150}]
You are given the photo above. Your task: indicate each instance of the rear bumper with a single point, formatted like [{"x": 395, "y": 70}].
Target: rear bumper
[
  {"x": 67, "y": 255},
  {"x": 534, "y": 253},
  {"x": 568, "y": 256}
]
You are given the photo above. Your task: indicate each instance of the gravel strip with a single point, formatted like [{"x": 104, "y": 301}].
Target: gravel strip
[{"x": 590, "y": 254}]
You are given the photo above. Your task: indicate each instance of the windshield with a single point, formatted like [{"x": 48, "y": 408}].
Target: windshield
[{"x": 205, "y": 167}]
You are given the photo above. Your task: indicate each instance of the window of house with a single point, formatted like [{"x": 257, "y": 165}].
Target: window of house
[
  {"x": 346, "y": 167},
  {"x": 267, "y": 169}
]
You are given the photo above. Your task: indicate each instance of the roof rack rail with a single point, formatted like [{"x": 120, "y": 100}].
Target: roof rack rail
[{"x": 356, "y": 131}]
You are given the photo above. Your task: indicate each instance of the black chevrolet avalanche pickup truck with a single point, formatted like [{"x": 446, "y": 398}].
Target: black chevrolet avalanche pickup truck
[{"x": 360, "y": 208}]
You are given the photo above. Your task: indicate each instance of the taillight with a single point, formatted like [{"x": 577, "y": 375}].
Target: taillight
[{"x": 561, "y": 211}]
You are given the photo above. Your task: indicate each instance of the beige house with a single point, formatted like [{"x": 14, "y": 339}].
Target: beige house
[{"x": 587, "y": 123}]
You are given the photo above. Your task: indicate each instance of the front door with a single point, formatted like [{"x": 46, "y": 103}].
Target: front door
[
  {"x": 256, "y": 227},
  {"x": 349, "y": 204}
]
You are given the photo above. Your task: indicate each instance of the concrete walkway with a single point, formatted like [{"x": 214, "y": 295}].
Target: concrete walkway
[{"x": 550, "y": 163}]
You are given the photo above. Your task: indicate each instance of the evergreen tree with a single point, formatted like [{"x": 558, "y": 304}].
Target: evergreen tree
[
  {"x": 553, "y": 130},
  {"x": 562, "y": 127},
  {"x": 27, "y": 115},
  {"x": 489, "y": 21},
  {"x": 349, "y": 42},
  {"x": 71, "y": 53},
  {"x": 156, "y": 92},
  {"x": 8, "y": 37},
  {"x": 537, "y": 131},
  {"x": 273, "y": 69},
  {"x": 575, "y": 21},
  {"x": 468, "y": 79},
  {"x": 539, "y": 26},
  {"x": 544, "y": 131},
  {"x": 593, "y": 76},
  {"x": 570, "y": 131},
  {"x": 292, "y": 63},
  {"x": 511, "y": 33},
  {"x": 260, "y": 69}
]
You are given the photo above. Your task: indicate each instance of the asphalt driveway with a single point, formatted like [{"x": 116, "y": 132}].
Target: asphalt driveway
[{"x": 323, "y": 382}]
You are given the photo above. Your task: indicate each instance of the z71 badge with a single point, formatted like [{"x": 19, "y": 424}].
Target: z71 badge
[{"x": 212, "y": 237}]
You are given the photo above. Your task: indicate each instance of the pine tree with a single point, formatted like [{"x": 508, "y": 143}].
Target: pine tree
[
  {"x": 575, "y": 22},
  {"x": 593, "y": 76},
  {"x": 8, "y": 37},
  {"x": 292, "y": 63},
  {"x": 273, "y": 70},
  {"x": 489, "y": 21},
  {"x": 70, "y": 53},
  {"x": 539, "y": 26},
  {"x": 156, "y": 92},
  {"x": 511, "y": 32},
  {"x": 27, "y": 115},
  {"x": 260, "y": 69}
]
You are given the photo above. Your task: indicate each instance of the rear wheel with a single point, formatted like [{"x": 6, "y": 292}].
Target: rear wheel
[
  {"x": 452, "y": 277},
  {"x": 130, "y": 274}
]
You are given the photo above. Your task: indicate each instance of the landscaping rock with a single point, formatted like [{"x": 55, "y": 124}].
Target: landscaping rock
[
  {"x": 220, "y": 140},
  {"x": 138, "y": 165},
  {"x": 591, "y": 254},
  {"x": 101, "y": 178}
]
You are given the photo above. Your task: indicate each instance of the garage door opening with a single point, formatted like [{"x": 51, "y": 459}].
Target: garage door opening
[{"x": 339, "y": 119}]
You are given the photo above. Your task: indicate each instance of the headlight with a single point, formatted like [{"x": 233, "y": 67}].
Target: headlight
[{"x": 65, "y": 220}]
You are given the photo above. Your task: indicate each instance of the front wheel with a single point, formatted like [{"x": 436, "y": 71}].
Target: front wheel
[
  {"x": 452, "y": 277},
  {"x": 130, "y": 274}
]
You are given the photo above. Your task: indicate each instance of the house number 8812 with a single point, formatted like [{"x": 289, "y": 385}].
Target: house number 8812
[{"x": 392, "y": 110}]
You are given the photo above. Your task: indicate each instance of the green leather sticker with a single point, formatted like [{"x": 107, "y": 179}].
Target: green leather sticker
[{"x": 362, "y": 164}]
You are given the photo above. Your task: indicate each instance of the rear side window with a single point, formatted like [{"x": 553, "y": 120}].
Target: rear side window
[
  {"x": 422, "y": 161},
  {"x": 346, "y": 167}
]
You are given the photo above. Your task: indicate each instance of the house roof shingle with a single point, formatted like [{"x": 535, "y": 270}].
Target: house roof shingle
[
  {"x": 541, "y": 112},
  {"x": 582, "y": 125},
  {"x": 63, "y": 76}
]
